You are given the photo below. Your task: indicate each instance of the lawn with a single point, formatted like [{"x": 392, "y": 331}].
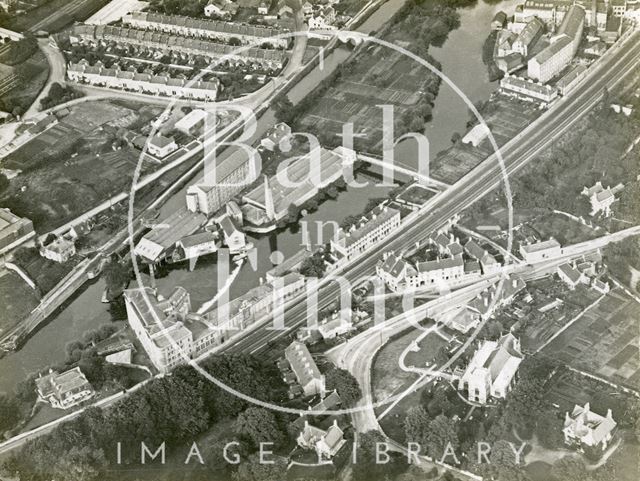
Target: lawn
[
  {"x": 387, "y": 377},
  {"x": 16, "y": 298},
  {"x": 428, "y": 347},
  {"x": 416, "y": 194},
  {"x": 44, "y": 272}
]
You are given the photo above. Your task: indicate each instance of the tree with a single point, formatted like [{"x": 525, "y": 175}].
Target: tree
[
  {"x": 10, "y": 414},
  {"x": 442, "y": 432},
  {"x": 569, "y": 468},
  {"x": 81, "y": 464},
  {"x": 347, "y": 386},
  {"x": 117, "y": 276},
  {"x": 254, "y": 470},
  {"x": 416, "y": 424},
  {"x": 313, "y": 266},
  {"x": 4, "y": 183},
  {"x": 259, "y": 425},
  {"x": 367, "y": 468}
]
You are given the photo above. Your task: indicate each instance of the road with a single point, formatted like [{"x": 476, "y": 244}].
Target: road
[
  {"x": 57, "y": 70},
  {"x": 483, "y": 179},
  {"x": 358, "y": 353}
]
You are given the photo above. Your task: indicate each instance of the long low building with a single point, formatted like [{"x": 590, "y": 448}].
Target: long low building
[
  {"x": 213, "y": 29},
  {"x": 370, "y": 229},
  {"x": 164, "y": 41},
  {"x": 295, "y": 184},
  {"x": 165, "y": 235},
  {"x": 115, "y": 78},
  {"x": 526, "y": 89}
]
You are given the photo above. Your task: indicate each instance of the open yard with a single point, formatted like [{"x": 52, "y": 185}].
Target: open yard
[{"x": 604, "y": 341}]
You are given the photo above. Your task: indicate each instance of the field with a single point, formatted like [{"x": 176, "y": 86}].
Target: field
[
  {"x": 377, "y": 75},
  {"x": 16, "y": 297},
  {"x": 505, "y": 118},
  {"x": 604, "y": 341},
  {"x": 72, "y": 166}
]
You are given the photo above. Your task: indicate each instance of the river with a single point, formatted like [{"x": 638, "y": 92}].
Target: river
[{"x": 461, "y": 61}]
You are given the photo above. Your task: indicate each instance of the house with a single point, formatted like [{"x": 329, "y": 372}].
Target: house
[
  {"x": 497, "y": 296},
  {"x": 65, "y": 390},
  {"x": 194, "y": 121},
  {"x": 539, "y": 251},
  {"x": 59, "y": 250},
  {"x": 499, "y": 21},
  {"x": 275, "y": 135},
  {"x": 204, "y": 28},
  {"x": 263, "y": 8},
  {"x": 527, "y": 38},
  {"x": 601, "y": 198},
  {"x": 234, "y": 238},
  {"x": 196, "y": 245},
  {"x": 161, "y": 146},
  {"x": 583, "y": 428},
  {"x": 525, "y": 89},
  {"x": 490, "y": 264},
  {"x": 325, "y": 443},
  {"x": 510, "y": 63},
  {"x": 305, "y": 369},
  {"x": 307, "y": 8},
  {"x": 394, "y": 270},
  {"x": 370, "y": 229},
  {"x": 492, "y": 370},
  {"x": 336, "y": 326},
  {"x": 600, "y": 286},
  {"x": 461, "y": 319},
  {"x": 215, "y": 8},
  {"x": 571, "y": 276}
]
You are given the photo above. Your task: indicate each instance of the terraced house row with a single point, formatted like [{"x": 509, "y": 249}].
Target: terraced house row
[
  {"x": 101, "y": 76},
  {"x": 211, "y": 29},
  {"x": 166, "y": 42}
]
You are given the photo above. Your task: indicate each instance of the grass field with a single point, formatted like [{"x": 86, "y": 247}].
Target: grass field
[
  {"x": 16, "y": 298},
  {"x": 604, "y": 341},
  {"x": 387, "y": 378}
]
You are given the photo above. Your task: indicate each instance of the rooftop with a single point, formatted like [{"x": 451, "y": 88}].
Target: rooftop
[{"x": 302, "y": 363}]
